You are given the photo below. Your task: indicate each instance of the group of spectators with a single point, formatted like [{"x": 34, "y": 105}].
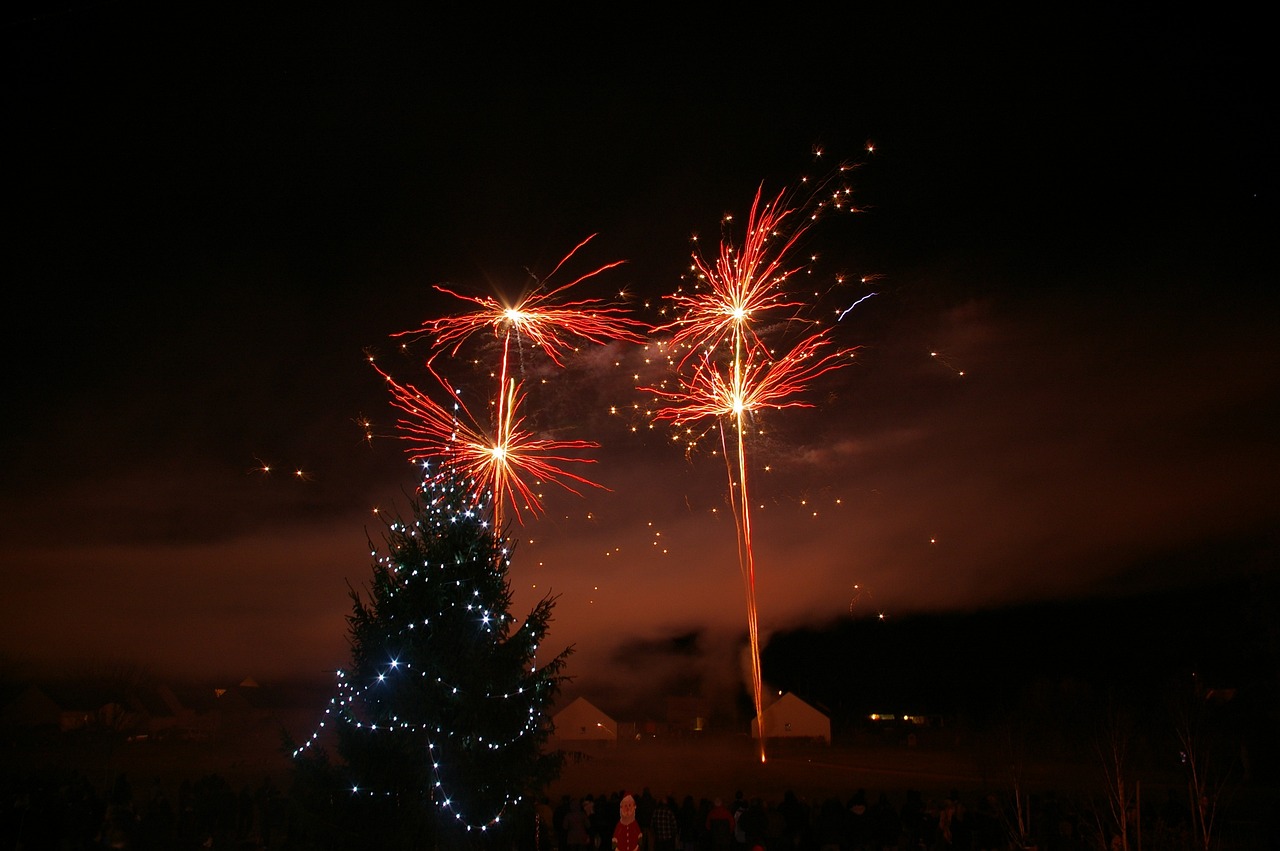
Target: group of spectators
[
  {"x": 668, "y": 823},
  {"x": 69, "y": 811},
  {"x": 209, "y": 813},
  {"x": 856, "y": 823}
]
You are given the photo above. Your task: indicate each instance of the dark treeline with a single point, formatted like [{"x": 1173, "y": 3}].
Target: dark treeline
[{"x": 976, "y": 668}]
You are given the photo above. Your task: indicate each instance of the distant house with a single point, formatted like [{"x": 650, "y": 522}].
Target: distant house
[
  {"x": 68, "y": 707},
  {"x": 141, "y": 711},
  {"x": 688, "y": 714},
  {"x": 580, "y": 721},
  {"x": 31, "y": 707},
  {"x": 789, "y": 717}
]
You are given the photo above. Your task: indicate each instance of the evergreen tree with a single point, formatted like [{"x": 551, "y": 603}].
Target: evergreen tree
[{"x": 444, "y": 708}]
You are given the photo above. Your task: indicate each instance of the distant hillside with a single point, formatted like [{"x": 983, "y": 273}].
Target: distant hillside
[{"x": 984, "y": 662}]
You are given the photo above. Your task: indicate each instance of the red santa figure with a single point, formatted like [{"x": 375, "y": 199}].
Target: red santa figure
[{"x": 626, "y": 836}]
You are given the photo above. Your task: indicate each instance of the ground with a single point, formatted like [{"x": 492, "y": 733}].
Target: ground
[
  {"x": 706, "y": 767},
  {"x": 719, "y": 766}
]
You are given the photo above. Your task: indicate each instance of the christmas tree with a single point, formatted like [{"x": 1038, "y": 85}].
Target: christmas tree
[{"x": 444, "y": 710}]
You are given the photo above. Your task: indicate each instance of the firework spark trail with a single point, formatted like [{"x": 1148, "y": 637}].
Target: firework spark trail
[
  {"x": 536, "y": 317},
  {"x": 543, "y": 319},
  {"x": 503, "y": 462},
  {"x": 740, "y": 283},
  {"x": 749, "y": 387},
  {"x": 845, "y": 312},
  {"x": 744, "y": 284},
  {"x": 745, "y": 281},
  {"x": 733, "y": 395}
]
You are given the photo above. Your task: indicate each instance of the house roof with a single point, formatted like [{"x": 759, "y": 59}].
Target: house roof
[
  {"x": 581, "y": 719},
  {"x": 791, "y": 716}
]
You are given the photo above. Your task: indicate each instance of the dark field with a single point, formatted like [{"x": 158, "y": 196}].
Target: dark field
[
  {"x": 937, "y": 767},
  {"x": 710, "y": 767},
  {"x": 718, "y": 767},
  {"x": 707, "y": 767}
]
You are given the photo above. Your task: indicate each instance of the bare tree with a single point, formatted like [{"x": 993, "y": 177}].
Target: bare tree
[
  {"x": 1119, "y": 823},
  {"x": 1209, "y": 769},
  {"x": 1012, "y": 750}
]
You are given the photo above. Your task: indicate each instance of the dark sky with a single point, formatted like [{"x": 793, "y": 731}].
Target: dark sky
[{"x": 217, "y": 211}]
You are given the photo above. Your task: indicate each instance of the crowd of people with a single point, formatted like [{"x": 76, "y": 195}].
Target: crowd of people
[
  {"x": 905, "y": 822},
  {"x": 668, "y": 823},
  {"x": 71, "y": 812},
  {"x": 210, "y": 813}
]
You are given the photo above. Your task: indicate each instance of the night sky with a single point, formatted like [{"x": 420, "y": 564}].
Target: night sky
[{"x": 1066, "y": 387}]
